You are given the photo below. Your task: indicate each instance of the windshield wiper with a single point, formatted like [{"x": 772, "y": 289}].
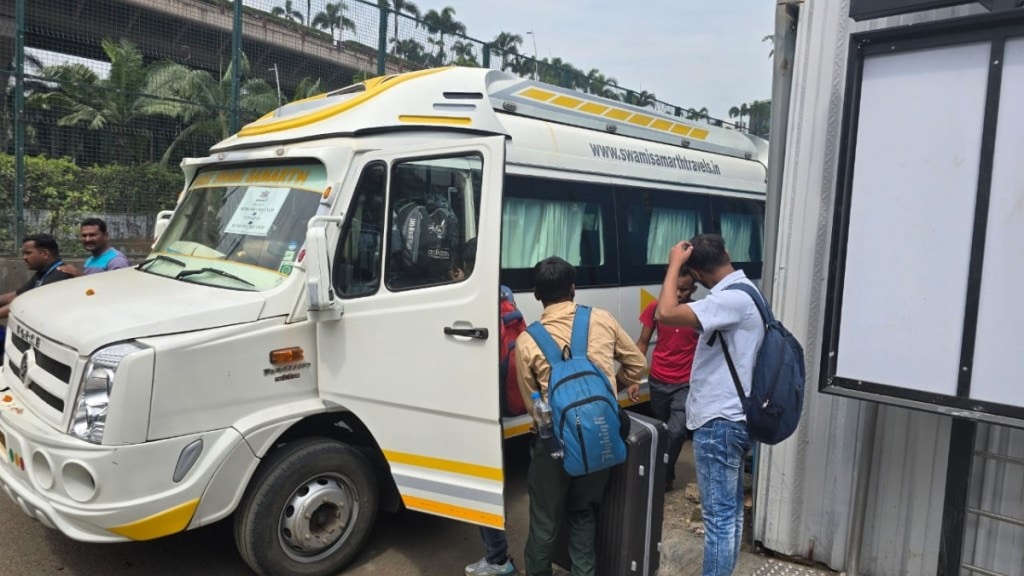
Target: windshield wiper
[
  {"x": 159, "y": 257},
  {"x": 185, "y": 273}
]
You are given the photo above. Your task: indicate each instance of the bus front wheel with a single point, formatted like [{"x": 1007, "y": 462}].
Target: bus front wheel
[{"x": 308, "y": 511}]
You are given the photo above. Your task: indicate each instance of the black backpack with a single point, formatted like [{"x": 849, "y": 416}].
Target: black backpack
[
  {"x": 777, "y": 391},
  {"x": 429, "y": 235}
]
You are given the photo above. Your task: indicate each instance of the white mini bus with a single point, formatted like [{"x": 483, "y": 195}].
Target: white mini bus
[{"x": 315, "y": 334}]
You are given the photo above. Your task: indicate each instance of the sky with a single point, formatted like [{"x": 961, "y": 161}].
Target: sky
[{"x": 690, "y": 54}]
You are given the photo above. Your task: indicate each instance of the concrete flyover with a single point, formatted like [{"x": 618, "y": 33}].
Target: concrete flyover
[{"x": 192, "y": 32}]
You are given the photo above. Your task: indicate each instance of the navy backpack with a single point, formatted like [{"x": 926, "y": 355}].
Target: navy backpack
[
  {"x": 777, "y": 391},
  {"x": 584, "y": 409}
]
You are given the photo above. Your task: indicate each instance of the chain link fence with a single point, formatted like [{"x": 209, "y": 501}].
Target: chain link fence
[{"x": 103, "y": 98}]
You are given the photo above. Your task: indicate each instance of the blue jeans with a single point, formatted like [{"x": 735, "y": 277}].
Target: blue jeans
[
  {"x": 719, "y": 447},
  {"x": 495, "y": 545}
]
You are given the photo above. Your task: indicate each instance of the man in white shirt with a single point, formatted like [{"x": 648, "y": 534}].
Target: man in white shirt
[{"x": 713, "y": 410}]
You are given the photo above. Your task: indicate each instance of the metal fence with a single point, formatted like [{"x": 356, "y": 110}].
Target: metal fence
[{"x": 102, "y": 98}]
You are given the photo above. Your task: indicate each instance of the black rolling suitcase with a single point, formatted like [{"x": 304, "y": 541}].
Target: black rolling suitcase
[{"x": 630, "y": 516}]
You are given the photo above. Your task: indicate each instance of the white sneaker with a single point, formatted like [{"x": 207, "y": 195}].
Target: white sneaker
[{"x": 483, "y": 568}]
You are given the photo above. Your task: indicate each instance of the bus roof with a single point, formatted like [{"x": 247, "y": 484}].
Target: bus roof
[{"x": 475, "y": 99}]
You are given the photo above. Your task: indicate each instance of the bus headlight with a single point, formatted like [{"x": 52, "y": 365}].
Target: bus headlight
[{"x": 90, "y": 419}]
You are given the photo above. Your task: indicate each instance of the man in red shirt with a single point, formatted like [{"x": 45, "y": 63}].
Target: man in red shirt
[{"x": 669, "y": 379}]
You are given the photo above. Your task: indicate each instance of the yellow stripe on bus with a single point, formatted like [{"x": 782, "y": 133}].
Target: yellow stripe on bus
[
  {"x": 453, "y": 466},
  {"x": 513, "y": 431},
  {"x": 452, "y": 511}
]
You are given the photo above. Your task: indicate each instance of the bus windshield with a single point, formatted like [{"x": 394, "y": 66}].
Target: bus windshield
[{"x": 241, "y": 227}]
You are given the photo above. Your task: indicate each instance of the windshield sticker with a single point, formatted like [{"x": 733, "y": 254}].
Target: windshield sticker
[
  {"x": 257, "y": 211},
  {"x": 287, "y": 176}
]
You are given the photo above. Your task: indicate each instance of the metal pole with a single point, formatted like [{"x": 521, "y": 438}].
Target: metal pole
[
  {"x": 19, "y": 121},
  {"x": 787, "y": 16},
  {"x": 236, "y": 65},
  {"x": 382, "y": 40},
  {"x": 861, "y": 486},
  {"x": 277, "y": 80},
  {"x": 535, "y": 55}
]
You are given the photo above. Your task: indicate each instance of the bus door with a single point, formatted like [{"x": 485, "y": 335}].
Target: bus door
[{"x": 415, "y": 353}]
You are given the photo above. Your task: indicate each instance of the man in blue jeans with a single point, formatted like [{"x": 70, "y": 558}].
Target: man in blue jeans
[{"x": 713, "y": 409}]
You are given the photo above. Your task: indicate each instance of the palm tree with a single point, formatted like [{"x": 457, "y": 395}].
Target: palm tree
[
  {"x": 442, "y": 23},
  {"x": 288, "y": 12},
  {"x": 399, "y": 7},
  {"x": 202, "y": 101},
  {"x": 701, "y": 114},
  {"x": 599, "y": 85},
  {"x": 465, "y": 54},
  {"x": 507, "y": 44},
  {"x": 114, "y": 103},
  {"x": 333, "y": 18},
  {"x": 307, "y": 87},
  {"x": 645, "y": 99},
  {"x": 770, "y": 39},
  {"x": 411, "y": 50},
  {"x": 739, "y": 112}
]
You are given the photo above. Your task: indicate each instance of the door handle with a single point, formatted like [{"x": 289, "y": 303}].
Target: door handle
[{"x": 478, "y": 333}]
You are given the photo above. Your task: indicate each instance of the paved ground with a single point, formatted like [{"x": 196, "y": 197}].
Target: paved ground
[{"x": 405, "y": 544}]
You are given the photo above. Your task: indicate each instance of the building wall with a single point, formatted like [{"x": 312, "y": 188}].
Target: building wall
[{"x": 806, "y": 485}]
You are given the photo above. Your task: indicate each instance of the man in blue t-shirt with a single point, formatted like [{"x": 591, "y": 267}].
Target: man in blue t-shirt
[{"x": 103, "y": 257}]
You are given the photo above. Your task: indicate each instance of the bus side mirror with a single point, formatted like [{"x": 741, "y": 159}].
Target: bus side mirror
[
  {"x": 163, "y": 218},
  {"x": 323, "y": 305}
]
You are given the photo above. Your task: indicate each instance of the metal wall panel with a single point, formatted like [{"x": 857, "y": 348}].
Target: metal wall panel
[
  {"x": 992, "y": 542},
  {"x": 805, "y": 490}
]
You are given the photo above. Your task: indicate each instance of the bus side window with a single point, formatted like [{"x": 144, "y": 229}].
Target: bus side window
[
  {"x": 741, "y": 224},
  {"x": 357, "y": 261}
]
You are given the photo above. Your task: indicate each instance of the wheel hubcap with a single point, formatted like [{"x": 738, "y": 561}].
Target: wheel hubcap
[{"x": 317, "y": 517}]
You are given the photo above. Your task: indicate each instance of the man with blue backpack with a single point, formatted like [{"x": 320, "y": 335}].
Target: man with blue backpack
[
  {"x": 569, "y": 357},
  {"x": 746, "y": 384}
]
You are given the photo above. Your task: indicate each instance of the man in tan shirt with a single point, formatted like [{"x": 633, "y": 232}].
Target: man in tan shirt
[{"x": 552, "y": 491}]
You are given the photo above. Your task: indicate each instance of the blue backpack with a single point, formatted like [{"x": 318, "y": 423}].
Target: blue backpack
[
  {"x": 584, "y": 409},
  {"x": 777, "y": 391}
]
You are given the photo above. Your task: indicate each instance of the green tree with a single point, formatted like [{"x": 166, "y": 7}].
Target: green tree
[
  {"x": 760, "y": 112},
  {"x": 333, "y": 18},
  {"x": 701, "y": 114},
  {"x": 600, "y": 85},
  {"x": 644, "y": 99},
  {"x": 412, "y": 51},
  {"x": 114, "y": 103},
  {"x": 400, "y": 7},
  {"x": 507, "y": 45},
  {"x": 442, "y": 23},
  {"x": 288, "y": 12},
  {"x": 202, "y": 101},
  {"x": 465, "y": 53},
  {"x": 307, "y": 88},
  {"x": 739, "y": 112}
]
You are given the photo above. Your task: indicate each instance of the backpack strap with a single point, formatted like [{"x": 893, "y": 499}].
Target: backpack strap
[
  {"x": 732, "y": 367},
  {"x": 762, "y": 307},
  {"x": 580, "y": 332},
  {"x": 547, "y": 344}
]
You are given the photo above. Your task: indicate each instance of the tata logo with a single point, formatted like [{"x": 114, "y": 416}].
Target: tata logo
[{"x": 27, "y": 335}]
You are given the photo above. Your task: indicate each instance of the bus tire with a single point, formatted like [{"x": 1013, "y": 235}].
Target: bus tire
[{"x": 308, "y": 510}]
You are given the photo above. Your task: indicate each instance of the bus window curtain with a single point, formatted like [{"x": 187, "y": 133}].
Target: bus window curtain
[
  {"x": 669, "y": 227},
  {"x": 533, "y": 230},
  {"x": 738, "y": 230}
]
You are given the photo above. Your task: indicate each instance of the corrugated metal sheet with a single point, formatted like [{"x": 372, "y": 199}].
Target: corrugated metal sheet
[
  {"x": 997, "y": 491},
  {"x": 806, "y": 485}
]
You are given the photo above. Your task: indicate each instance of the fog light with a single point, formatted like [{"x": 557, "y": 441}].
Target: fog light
[
  {"x": 79, "y": 482},
  {"x": 42, "y": 470}
]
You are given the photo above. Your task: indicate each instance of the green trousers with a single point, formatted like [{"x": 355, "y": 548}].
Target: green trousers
[{"x": 554, "y": 496}]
